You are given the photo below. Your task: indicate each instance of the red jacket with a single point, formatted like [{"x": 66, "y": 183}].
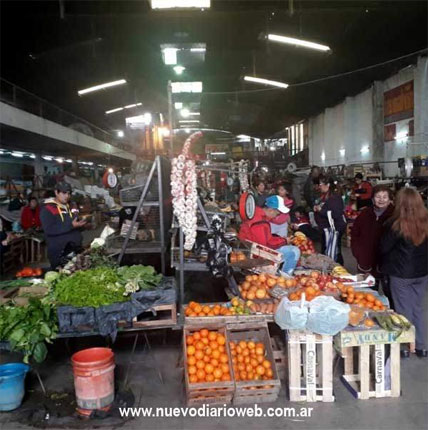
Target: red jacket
[
  {"x": 363, "y": 191},
  {"x": 258, "y": 230},
  {"x": 365, "y": 238},
  {"x": 30, "y": 218}
]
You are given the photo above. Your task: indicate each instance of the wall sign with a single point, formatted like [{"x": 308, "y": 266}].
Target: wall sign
[{"x": 398, "y": 103}]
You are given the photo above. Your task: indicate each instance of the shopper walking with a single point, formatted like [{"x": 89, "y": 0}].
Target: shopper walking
[
  {"x": 362, "y": 192},
  {"x": 258, "y": 230},
  {"x": 279, "y": 225},
  {"x": 329, "y": 215},
  {"x": 60, "y": 225},
  {"x": 309, "y": 189},
  {"x": 404, "y": 257}
]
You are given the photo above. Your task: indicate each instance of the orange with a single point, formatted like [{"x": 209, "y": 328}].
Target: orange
[
  {"x": 250, "y": 296},
  {"x": 251, "y": 345},
  {"x": 248, "y": 368},
  {"x": 212, "y": 335},
  {"x": 245, "y": 352},
  {"x": 214, "y": 362},
  {"x": 209, "y": 378},
  {"x": 233, "y": 352},
  {"x": 269, "y": 373},
  {"x": 221, "y": 348},
  {"x": 225, "y": 377},
  {"x": 200, "y": 364},
  {"x": 192, "y": 305},
  {"x": 247, "y": 360},
  {"x": 266, "y": 364},
  {"x": 191, "y": 360},
  {"x": 193, "y": 379},
  {"x": 232, "y": 345},
  {"x": 197, "y": 309},
  {"x": 199, "y": 345},
  {"x": 217, "y": 373},
  {"x": 240, "y": 358},
  {"x": 293, "y": 297},
  {"x": 208, "y": 351},
  {"x": 192, "y": 370},
  {"x": 209, "y": 368},
  {"x": 241, "y": 367},
  {"x": 214, "y": 344},
  {"x": 189, "y": 340},
  {"x": 261, "y": 293},
  {"x": 205, "y": 341},
  {"x": 224, "y": 368},
  {"x": 211, "y": 314},
  {"x": 196, "y": 335},
  {"x": 370, "y": 297},
  {"x": 215, "y": 353},
  {"x": 378, "y": 303},
  {"x": 243, "y": 375},
  {"x": 350, "y": 290},
  {"x": 207, "y": 358},
  {"x": 221, "y": 340},
  {"x": 206, "y": 310},
  {"x": 242, "y": 344},
  {"x": 216, "y": 311},
  {"x": 204, "y": 332},
  {"x": 238, "y": 349},
  {"x": 245, "y": 285},
  {"x": 260, "y": 359},
  {"x": 224, "y": 358},
  {"x": 260, "y": 370},
  {"x": 188, "y": 312},
  {"x": 201, "y": 375},
  {"x": 254, "y": 362},
  {"x": 199, "y": 355},
  {"x": 260, "y": 351},
  {"x": 191, "y": 350}
]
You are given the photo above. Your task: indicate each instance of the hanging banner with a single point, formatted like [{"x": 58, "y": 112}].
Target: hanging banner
[{"x": 398, "y": 103}]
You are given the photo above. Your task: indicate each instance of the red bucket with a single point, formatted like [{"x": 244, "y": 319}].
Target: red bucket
[{"x": 93, "y": 371}]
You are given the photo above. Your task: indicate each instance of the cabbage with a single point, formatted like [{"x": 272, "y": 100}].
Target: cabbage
[{"x": 51, "y": 277}]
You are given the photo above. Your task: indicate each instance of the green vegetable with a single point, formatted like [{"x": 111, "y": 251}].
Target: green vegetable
[
  {"x": 15, "y": 283},
  {"x": 144, "y": 277},
  {"x": 93, "y": 287},
  {"x": 51, "y": 277},
  {"x": 28, "y": 328}
]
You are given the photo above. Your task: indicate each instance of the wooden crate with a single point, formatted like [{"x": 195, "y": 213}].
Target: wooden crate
[
  {"x": 166, "y": 315},
  {"x": 213, "y": 393},
  {"x": 372, "y": 348},
  {"x": 253, "y": 392},
  {"x": 221, "y": 319},
  {"x": 279, "y": 357},
  {"x": 310, "y": 366},
  {"x": 273, "y": 257}
]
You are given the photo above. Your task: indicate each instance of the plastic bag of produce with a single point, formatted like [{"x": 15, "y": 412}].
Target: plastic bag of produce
[
  {"x": 327, "y": 315},
  {"x": 291, "y": 315}
]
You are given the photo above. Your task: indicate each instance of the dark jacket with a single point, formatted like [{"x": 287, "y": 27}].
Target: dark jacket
[
  {"x": 401, "y": 258},
  {"x": 333, "y": 203},
  {"x": 365, "y": 237},
  {"x": 309, "y": 191},
  {"x": 59, "y": 231}
]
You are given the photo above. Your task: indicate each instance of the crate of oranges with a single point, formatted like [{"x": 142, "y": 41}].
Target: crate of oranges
[
  {"x": 208, "y": 313},
  {"x": 207, "y": 366},
  {"x": 253, "y": 364},
  {"x": 362, "y": 299}
]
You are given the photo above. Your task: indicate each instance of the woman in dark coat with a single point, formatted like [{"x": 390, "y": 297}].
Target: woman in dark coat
[
  {"x": 367, "y": 230},
  {"x": 404, "y": 257},
  {"x": 331, "y": 201}
]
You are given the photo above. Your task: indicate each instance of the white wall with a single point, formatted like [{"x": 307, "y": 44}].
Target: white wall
[{"x": 357, "y": 122}]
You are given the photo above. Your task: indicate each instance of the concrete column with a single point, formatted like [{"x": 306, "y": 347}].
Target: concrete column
[
  {"x": 377, "y": 122},
  {"x": 38, "y": 165}
]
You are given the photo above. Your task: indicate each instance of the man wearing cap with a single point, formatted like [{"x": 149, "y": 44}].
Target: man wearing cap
[
  {"x": 59, "y": 224},
  {"x": 258, "y": 230}
]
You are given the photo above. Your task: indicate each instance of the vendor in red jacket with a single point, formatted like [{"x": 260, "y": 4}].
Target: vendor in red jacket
[
  {"x": 368, "y": 228},
  {"x": 30, "y": 215},
  {"x": 258, "y": 230},
  {"x": 362, "y": 191}
]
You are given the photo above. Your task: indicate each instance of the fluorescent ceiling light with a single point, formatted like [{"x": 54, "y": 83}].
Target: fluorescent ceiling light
[
  {"x": 194, "y": 113},
  {"x": 178, "y": 105},
  {"x": 60, "y": 160},
  {"x": 133, "y": 105},
  {"x": 189, "y": 120},
  {"x": 101, "y": 86},
  {"x": 164, "y": 131},
  {"x": 108, "y": 112},
  {"x": 297, "y": 42},
  {"x": 243, "y": 136},
  {"x": 323, "y": 156},
  {"x": 179, "y": 69},
  {"x": 186, "y": 87},
  {"x": 185, "y": 113},
  {"x": 342, "y": 152},
  {"x": 32, "y": 156},
  {"x": 47, "y": 157},
  {"x": 187, "y": 130},
  {"x": 218, "y": 153},
  {"x": 180, "y": 4},
  {"x": 120, "y": 133},
  {"x": 198, "y": 49},
  {"x": 170, "y": 56},
  {"x": 139, "y": 121},
  {"x": 265, "y": 82},
  {"x": 17, "y": 154},
  {"x": 68, "y": 160},
  {"x": 365, "y": 149}
]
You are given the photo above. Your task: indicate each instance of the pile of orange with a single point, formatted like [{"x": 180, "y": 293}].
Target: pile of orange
[
  {"x": 363, "y": 300},
  {"x": 207, "y": 359},
  {"x": 195, "y": 309},
  {"x": 310, "y": 293},
  {"x": 249, "y": 361},
  {"x": 258, "y": 286}
]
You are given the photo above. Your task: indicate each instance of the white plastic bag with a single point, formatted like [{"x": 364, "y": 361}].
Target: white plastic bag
[{"x": 291, "y": 315}]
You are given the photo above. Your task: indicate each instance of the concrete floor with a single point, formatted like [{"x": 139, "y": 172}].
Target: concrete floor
[{"x": 410, "y": 411}]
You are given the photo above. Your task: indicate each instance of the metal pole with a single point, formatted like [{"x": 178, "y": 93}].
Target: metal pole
[
  {"x": 181, "y": 244},
  {"x": 171, "y": 119},
  {"x": 161, "y": 214}
]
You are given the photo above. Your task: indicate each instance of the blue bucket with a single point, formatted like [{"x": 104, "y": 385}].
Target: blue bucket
[{"x": 12, "y": 377}]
